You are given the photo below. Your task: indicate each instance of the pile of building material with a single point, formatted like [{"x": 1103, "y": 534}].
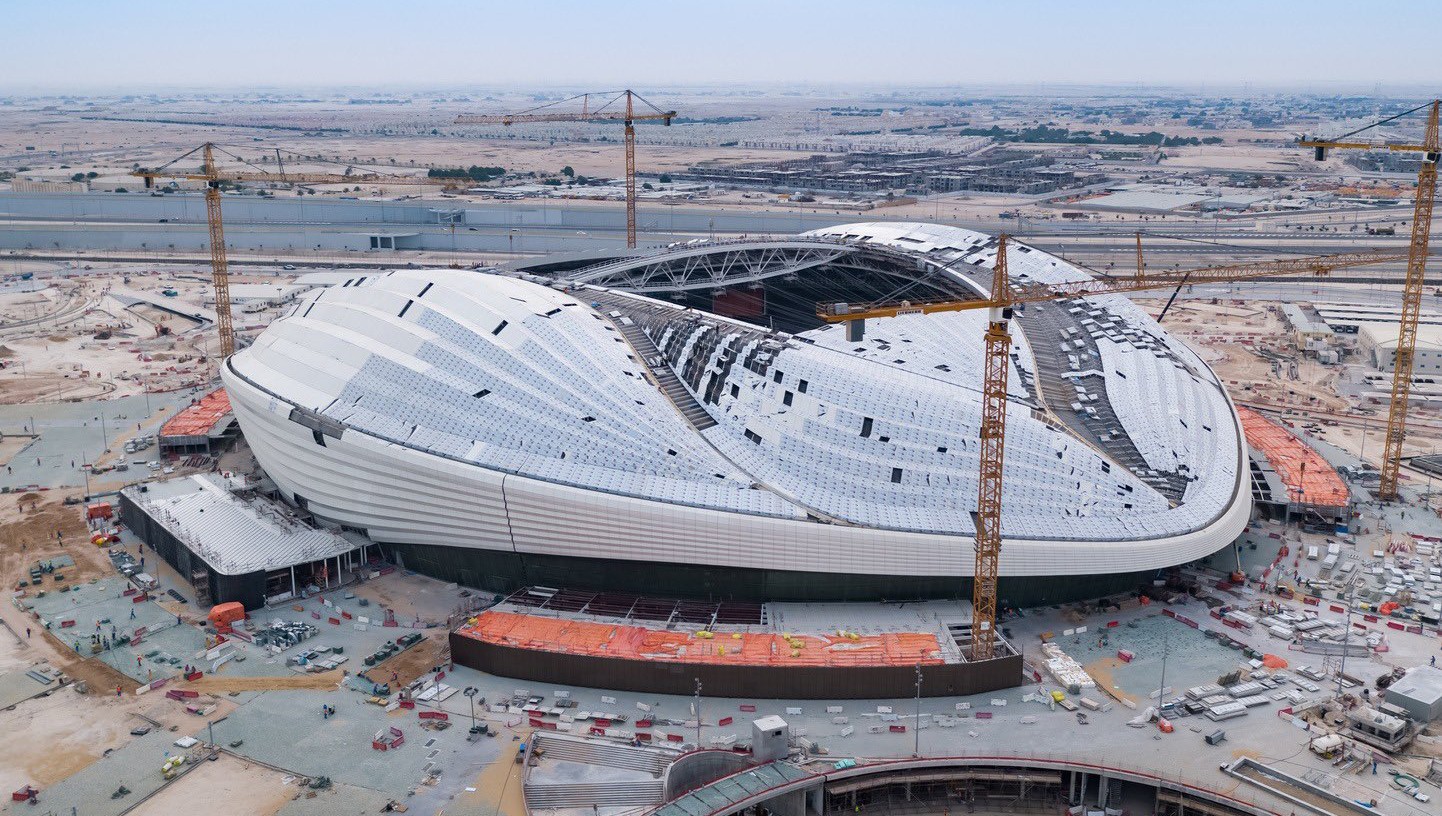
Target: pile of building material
[
  {"x": 391, "y": 647},
  {"x": 317, "y": 659},
  {"x": 1066, "y": 671},
  {"x": 283, "y": 634}
]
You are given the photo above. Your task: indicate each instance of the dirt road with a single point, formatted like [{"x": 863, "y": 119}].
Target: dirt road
[{"x": 221, "y": 684}]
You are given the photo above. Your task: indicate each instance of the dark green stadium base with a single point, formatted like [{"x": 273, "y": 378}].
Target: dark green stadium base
[{"x": 503, "y": 572}]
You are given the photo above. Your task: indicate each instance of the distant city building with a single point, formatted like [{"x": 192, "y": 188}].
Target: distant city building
[{"x": 915, "y": 172}]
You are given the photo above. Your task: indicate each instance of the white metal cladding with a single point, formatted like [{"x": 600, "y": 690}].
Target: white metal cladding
[
  {"x": 473, "y": 410},
  {"x": 403, "y": 496}
]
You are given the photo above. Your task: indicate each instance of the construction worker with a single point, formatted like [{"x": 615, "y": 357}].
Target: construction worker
[{"x": 27, "y": 637}]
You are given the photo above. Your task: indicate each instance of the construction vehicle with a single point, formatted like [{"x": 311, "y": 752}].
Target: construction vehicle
[
  {"x": 1431, "y": 150},
  {"x": 1002, "y": 298},
  {"x": 604, "y": 113},
  {"x": 214, "y": 177}
]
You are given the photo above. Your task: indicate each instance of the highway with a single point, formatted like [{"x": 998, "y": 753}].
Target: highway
[{"x": 317, "y": 233}]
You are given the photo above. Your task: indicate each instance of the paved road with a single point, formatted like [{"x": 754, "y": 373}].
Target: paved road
[{"x": 72, "y": 433}]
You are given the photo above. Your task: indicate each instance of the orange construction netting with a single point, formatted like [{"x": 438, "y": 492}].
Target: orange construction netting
[
  {"x": 1315, "y": 483},
  {"x": 747, "y": 649},
  {"x": 200, "y": 416}
]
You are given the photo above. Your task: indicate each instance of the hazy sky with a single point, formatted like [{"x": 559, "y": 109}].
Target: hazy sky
[{"x": 140, "y": 44}]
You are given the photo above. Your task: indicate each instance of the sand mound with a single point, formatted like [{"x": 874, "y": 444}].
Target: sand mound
[{"x": 6, "y": 352}]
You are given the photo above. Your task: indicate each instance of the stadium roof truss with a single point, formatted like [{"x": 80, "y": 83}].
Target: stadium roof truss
[{"x": 711, "y": 265}]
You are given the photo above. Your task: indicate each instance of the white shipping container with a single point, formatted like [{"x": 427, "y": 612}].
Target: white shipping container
[{"x": 1242, "y": 618}]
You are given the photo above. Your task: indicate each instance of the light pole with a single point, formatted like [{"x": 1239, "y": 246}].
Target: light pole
[
  {"x": 470, "y": 692},
  {"x": 1347, "y": 639},
  {"x": 916, "y": 734},
  {"x": 210, "y": 729},
  {"x": 1162, "y": 689},
  {"x": 698, "y": 713}
]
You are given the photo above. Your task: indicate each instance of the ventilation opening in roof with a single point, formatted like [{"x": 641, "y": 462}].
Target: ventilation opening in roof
[
  {"x": 556, "y": 310},
  {"x": 481, "y": 393},
  {"x": 405, "y": 308},
  {"x": 786, "y": 398},
  {"x": 802, "y": 385},
  {"x": 425, "y": 289},
  {"x": 318, "y": 437},
  {"x": 500, "y": 328},
  {"x": 588, "y": 419},
  {"x": 866, "y": 427},
  {"x": 896, "y": 475}
]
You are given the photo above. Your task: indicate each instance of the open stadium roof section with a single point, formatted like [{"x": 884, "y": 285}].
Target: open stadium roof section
[
  {"x": 1310, "y": 479},
  {"x": 457, "y": 409}
]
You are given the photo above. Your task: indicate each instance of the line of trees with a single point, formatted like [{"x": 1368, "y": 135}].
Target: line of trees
[{"x": 474, "y": 172}]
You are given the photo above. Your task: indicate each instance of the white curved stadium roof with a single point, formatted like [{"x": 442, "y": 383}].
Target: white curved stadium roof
[{"x": 571, "y": 389}]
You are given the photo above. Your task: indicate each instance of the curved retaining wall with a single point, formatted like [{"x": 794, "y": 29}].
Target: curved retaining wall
[{"x": 765, "y": 682}]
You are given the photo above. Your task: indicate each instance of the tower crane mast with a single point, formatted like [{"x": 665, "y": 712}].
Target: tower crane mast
[
  {"x": 1412, "y": 286},
  {"x": 212, "y": 176},
  {"x": 605, "y": 113}
]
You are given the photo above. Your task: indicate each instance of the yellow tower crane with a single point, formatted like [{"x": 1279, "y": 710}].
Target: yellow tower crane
[
  {"x": 999, "y": 302},
  {"x": 604, "y": 113},
  {"x": 213, "y": 177},
  {"x": 1402, "y": 364}
]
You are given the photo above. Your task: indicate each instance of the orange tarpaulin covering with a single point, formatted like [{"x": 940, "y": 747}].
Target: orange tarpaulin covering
[
  {"x": 1308, "y": 477},
  {"x": 753, "y": 649},
  {"x": 226, "y": 613},
  {"x": 198, "y": 418},
  {"x": 1271, "y": 661}
]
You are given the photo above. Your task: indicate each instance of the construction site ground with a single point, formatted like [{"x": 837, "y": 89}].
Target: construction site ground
[
  {"x": 78, "y": 748},
  {"x": 273, "y": 715}
]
